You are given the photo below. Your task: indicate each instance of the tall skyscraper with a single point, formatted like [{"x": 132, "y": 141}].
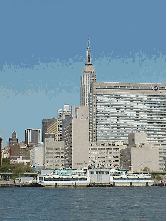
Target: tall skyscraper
[{"x": 88, "y": 77}]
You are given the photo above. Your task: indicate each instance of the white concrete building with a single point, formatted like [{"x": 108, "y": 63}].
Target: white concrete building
[
  {"x": 105, "y": 155},
  {"x": 76, "y": 138},
  {"x": 37, "y": 155},
  {"x": 54, "y": 154},
  {"x": 140, "y": 154}
]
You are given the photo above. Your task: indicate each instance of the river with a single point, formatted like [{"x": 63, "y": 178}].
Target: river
[{"x": 77, "y": 203}]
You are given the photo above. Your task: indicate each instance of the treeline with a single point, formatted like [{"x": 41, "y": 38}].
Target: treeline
[{"x": 17, "y": 169}]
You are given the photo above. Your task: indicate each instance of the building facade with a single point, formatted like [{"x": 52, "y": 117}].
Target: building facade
[
  {"x": 32, "y": 136},
  {"x": 87, "y": 78},
  {"x": 19, "y": 154},
  {"x": 140, "y": 154},
  {"x": 54, "y": 154},
  {"x": 48, "y": 126},
  {"x": 13, "y": 139},
  {"x": 76, "y": 138},
  {"x": 52, "y": 128},
  {"x": 117, "y": 109},
  {"x": 37, "y": 155},
  {"x": 105, "y": 155}
]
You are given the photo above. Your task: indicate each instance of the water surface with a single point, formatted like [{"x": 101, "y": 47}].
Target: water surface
[{"x": 95, "y": 203}]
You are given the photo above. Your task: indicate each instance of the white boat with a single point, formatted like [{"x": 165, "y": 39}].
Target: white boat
[
  {"x": 96, "y": 176},
  {"x": 71, "y": 179},
  {"x": 123, "y": 178}
]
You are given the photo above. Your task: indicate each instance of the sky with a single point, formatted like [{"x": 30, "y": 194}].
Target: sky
[{"x": 43, "y": 51}]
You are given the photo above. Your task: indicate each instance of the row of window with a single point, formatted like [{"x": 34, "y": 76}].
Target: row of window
[{"x": 64, "y": 179}]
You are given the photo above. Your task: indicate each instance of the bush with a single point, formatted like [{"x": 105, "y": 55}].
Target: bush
[
  {"x": 146, "y": 169},
  {"x": 158, "y": 177}
]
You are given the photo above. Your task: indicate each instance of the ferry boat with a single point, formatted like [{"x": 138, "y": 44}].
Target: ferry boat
[
  {"x": 60, "y": 178},
  {"x": 124, "y": 178},
  {"x": 94, "y": 177}
]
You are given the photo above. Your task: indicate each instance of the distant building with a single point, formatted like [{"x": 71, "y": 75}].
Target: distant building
[
  {"x": 50, "y": 135},
  {"x": 19, "y": 153},
  {"x": 54, "y": 154},
  {"x": 5, "y": 152},
  {"x": 32, "y": 136},
  {"x": 13, "y": 139},
  {"x": 37, "y": 156},
  {"x": 14, "y": 152},
  {"x": 65, "y": 111},
  {"x": 88, "y": 77},
  {"x": 54, "y": 126},
  {"x": 76, "y": 138},
  {"x": 61, "y": 114},
  {"x": 48, "y": 126}
]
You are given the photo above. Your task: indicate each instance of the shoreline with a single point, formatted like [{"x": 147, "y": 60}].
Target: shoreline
[{"x": 2, "y": 185}]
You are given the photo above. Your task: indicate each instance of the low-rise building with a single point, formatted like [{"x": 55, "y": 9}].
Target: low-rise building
[
  {"x": 19, "y": 152},
  {"x": 99, "y": 176},
  {"x": 20, "y": 160},
  {"x": 5, "y": 152},
  {"x": 105, "y": 155},
  {"x": 139, "y": 154}
]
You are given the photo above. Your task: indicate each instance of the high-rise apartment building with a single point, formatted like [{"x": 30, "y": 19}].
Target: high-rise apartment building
[
  {"x": 87, "y": 78},
  {"x": 117, "y": 109}
]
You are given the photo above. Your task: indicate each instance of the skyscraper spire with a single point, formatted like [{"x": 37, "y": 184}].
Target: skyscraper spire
[
  {"x": 88, "y": 54},
  {"x": 88, "y": 41}
]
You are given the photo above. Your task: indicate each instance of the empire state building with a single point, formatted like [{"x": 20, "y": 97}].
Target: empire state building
[{"x": 88, "y": 77}]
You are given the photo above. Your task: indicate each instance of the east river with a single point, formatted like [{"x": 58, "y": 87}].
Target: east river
[{"x": 76, "y": 203}]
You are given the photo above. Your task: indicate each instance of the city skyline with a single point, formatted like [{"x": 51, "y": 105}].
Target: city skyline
[{"x": 41, "y": 69}]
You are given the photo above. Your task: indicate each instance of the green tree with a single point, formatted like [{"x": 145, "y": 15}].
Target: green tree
[
  {"x": 28, "y": 168},
  {"x": 17, "y": 169},
  {"x": 6, "y": 166},
  {"x": 5, "y": 161},
  {"x": 158, "y": 177},
  {"x": 146, "y": 169}
]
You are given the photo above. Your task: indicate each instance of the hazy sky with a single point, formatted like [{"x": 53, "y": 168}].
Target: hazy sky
[{"x": 43, "y": 51}]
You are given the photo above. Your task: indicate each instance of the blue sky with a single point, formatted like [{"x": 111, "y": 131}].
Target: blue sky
[{"x": 43, "y": 50}]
